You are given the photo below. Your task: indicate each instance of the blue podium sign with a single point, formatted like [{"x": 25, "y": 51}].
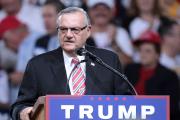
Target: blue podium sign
[{"x": 99, "y": 107}]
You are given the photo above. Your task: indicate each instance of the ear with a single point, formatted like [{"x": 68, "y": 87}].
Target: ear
[{"x": 88, "y": 31}]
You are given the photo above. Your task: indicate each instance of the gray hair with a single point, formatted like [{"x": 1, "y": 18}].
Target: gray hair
[{"x": 73, "y": 10}]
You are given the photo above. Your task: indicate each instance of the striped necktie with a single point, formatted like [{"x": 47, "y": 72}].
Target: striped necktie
[{"x": 78, "y": 79}]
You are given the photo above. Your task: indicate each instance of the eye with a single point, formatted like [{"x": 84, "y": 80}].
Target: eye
[
  {"x": 63, "y": 29},
  {"x": 75, "y": 30}
]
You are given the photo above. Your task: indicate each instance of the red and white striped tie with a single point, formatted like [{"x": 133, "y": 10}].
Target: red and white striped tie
[{"x": 78, "y": 79}]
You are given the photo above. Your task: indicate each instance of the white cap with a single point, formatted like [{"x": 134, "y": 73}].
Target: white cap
[{"x": 109, "y": 3}]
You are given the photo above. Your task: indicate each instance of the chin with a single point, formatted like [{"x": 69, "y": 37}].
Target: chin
[{"x": 69, "y": 49}]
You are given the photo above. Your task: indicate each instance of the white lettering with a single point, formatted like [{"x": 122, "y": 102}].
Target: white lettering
[
  {"x": 147, "y": 110},
  {"x": 109, "y": 114},
  {"x": 67, "y": 110},
  {"x": 85, "y": 110},
  {"x": 130, "y": 114}
]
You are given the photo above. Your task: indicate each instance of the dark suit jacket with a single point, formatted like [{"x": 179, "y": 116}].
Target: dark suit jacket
[
  {"x": 163, "y": 82},
  {"x": 45, "y": 74}
]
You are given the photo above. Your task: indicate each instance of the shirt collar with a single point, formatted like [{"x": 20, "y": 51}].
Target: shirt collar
[{"x": 68, "y": 58}]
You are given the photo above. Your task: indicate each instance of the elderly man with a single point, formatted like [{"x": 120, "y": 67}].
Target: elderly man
[{"x": 49, "y": 73}]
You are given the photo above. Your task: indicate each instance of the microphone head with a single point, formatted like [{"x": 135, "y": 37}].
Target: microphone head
[{"x": 81, "y": 51}]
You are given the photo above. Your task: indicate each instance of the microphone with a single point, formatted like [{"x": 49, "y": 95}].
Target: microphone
[{"x": 84, "y": 52}]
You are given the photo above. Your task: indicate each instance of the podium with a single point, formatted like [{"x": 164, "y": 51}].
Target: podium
[
  {"x": 38, "y": 112},
  {"x": 54, "y": 107}
]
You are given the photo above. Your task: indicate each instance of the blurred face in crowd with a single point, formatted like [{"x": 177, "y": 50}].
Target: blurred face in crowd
[
  {"x": 169, "y": 1},
  {"x": 50, "y": 16},
  {"x": 145, "y": 5},
  {"x": 10, "y": 6},
  {"x": 148, "y": 54},
  {"x": 100, "y": 14},
  {"x": 73, "y": 31},
  {"x": 172, "y": 38},
  {"x": 13, "y": 38}
]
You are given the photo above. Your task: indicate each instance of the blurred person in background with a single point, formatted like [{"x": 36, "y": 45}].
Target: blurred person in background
[
  {"x": 150, "y": 77},
  {"x": 75, "y": 3},
  {"x": 120, "y": 11},
  {"x": 144, "y": 15},
  {"x": 105, "y": 34},
  {"x": 19, "y": 39},
  {"x": 170, "y": 34},
  {"x": 50, "y": 40},
  {"x": 4, "y": 95},
  {"x": 26, "y": 13},
  {"x": 36, "y": 2},
  {"x": 10, "y": 43},
  {"x": 171, "y": 8},
  {"x": 42, "y": 2}
]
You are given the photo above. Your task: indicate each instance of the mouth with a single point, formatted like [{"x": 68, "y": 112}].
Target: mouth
[{"x": 69, "y": 41}]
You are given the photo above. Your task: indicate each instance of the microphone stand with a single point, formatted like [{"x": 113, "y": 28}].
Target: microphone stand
[{"x": 100, "y": 61}]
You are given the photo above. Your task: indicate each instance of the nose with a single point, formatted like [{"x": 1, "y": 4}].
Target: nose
[{"x": 69, "y": 34}]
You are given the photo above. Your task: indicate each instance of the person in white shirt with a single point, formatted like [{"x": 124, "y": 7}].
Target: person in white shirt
[
  {"x": 105, "y": 34},
  {"x": 26, "y": 13},
  {"x": 50, "y": 40},
  {"x": 170, "y": 34},
  {"x": 4, "y": 95},
  {"x": 147, "y": 15}
]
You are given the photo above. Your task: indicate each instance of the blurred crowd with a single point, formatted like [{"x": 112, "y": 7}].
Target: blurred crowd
[{"x": 144, "y": 33}]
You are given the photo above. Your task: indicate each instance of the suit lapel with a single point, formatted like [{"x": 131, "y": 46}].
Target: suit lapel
[
  {"x": 59, "y": 71},
  {"x": 93, "y": 85}
]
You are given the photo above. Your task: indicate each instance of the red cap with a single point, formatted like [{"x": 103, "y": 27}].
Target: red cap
[
  {"x": 9, "y": 23},
  {"x": 148, "y": 36}
]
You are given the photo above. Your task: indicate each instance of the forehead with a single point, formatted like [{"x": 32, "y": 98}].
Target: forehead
[
  {"x": 75, "y": 19},
  {"x": 49, "y": 9},
  {"x": 149, "y": 46}
]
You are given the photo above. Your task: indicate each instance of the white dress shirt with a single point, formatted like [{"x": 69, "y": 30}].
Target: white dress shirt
[{"x": 69, "y": 67}]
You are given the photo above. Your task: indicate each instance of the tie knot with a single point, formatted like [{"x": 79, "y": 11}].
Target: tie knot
[{"x": 75, "y": 60}]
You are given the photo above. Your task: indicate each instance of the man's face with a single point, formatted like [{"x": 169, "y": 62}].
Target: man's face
[
  {"x": 172, "y": 39},
  {"x": 100, "y": 14},
  {"x": 148, "y": 54},
  {"x": 145, "y": 5},
  {"x": 71, "y": 32},
  {"x": 9, "y": 5},
  {"x": 13, "y": 39},
  {"x": 50, "y": 16}
]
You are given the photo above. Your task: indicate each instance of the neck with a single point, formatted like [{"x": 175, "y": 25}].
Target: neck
[
  {"x": 71, "y": 54},
  {"x": 99, "y": 27},
  {"x": 54, "y": 33},
  {"x": 150, "y": 66},
  {"x": 147, "y": 15}
]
